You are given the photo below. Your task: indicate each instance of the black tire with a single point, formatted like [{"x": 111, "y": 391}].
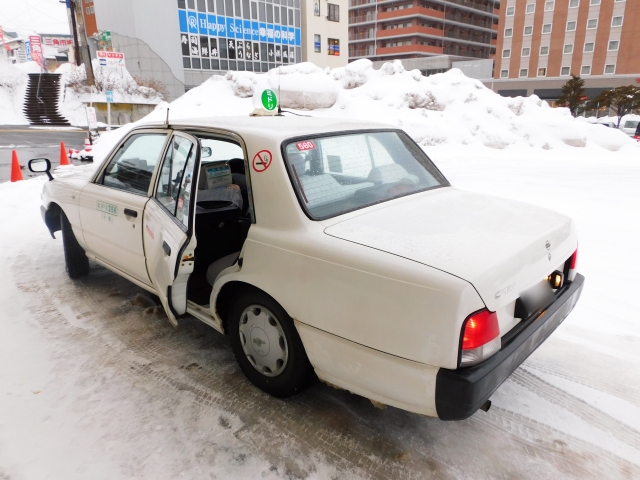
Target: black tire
[
  {"x": 297, "y": 373},
  {"x": 75, "y": 258}
]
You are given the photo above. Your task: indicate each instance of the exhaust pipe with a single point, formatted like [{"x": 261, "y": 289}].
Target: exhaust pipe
[{"x": 486, "y": 406}]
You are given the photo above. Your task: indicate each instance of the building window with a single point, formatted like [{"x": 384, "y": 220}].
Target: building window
[
  {"x": 542, "y": 72},
  {"x": 316, "y": 43},
  {"x": 613, "y": 45},
  {"x": 531, "y": 8},
  {"x": 526, "y": 51},
  {"x": 610, "y": 69},
  {"x": 585, "y": 70},
  {"x": 620, "y": 1},
  {"x": 544, "y": 50},
  {"x": 333, "y": 47},
  {"x": 592, "y": 23},
  {"x": 528, "y": 30},
  {"x": 565, "y": 71},
  {"x": 511, "y": 11},
  {"x": 568, "y": 48},
  {"x": 524, "y": 72},
  {"x": 504, "y": 73},
  {"x": 588, "y": 47},
  {"x": 571, "y": 26},
  {"x": 546, "y": 28},
  {"x": 508, "y": 32},
  {"x": 333, "y": 13},
  {"x": 594, "y": 2},
  {"x": 616, "y": 21},
  {"x": 548, "y": 6},
  {"x": 506, "y": 53},
  {"x": 574, "y": 3}
]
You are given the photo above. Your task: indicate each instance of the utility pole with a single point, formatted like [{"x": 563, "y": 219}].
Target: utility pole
[
  {"x": 74, "y": 31},
  {"x": 82, "y": 41}
]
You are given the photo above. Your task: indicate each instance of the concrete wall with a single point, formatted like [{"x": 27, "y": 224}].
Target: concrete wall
[
  {"x": 320, "y": 25},
  {"x": 147, "y": 32}
]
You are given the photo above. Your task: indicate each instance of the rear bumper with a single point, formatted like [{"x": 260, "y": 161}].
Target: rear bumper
[{"x": 460, "y": 393}]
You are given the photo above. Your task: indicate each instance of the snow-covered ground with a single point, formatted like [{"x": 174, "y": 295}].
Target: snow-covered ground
[{"x": 95, "y": 384}]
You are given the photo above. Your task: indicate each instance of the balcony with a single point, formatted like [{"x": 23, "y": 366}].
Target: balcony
[
  {"x": 362, "y": 19},
  {"x": 410, "y": 12},
  {"x": 361, "y": 36},
  {"x": 413, "y": 30},
  {"x": 408, "y": 49},
  {"x": 360, "y": 3}
]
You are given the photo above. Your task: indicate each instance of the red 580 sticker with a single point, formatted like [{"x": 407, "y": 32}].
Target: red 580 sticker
[{"x": 306, "y": 145}]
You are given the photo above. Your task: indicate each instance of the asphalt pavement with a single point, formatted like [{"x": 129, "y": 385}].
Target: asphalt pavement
[{"x": 36, "y": 142}]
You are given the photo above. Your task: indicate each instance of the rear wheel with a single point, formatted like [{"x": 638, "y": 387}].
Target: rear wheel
[
  {"x": 75, "y": 258},
  {"x": 267, "y": 346}
]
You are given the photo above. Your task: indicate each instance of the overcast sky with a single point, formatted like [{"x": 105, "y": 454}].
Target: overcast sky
[{"x": 42, "y": 16}]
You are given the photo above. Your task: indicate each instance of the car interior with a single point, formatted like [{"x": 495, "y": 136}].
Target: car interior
[{"x": 222, "y": 217}]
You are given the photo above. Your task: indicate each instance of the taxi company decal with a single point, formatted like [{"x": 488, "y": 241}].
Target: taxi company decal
[
  {"x": 307, "y": 145},
  {"x": 262, "y": 160},
  {"x": 108, "y": 211},
  {"x": 107, "y": 208},
  {"x": 149, "y": 231}
]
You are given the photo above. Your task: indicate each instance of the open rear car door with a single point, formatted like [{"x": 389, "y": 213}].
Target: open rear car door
[{"x": 169, "y": 241}]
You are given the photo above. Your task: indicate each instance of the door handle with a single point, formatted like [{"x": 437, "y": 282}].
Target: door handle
[
  {"x": 130, "y": 213},
  {"x": 166, "y": 248}
]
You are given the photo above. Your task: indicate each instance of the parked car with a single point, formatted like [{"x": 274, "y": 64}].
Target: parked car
[
  {"x": 629, "y": 127},
  {"x": 608, "y": 124},
  {"x": 636, "y": 136},
  {"x": 325, "y": 248}
]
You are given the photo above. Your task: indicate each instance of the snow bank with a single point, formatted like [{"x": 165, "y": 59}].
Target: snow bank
[
  {"x": 447, "y": 108},
  {"x": 76, "y": 95},
  {"x": 13, "y": 85}
]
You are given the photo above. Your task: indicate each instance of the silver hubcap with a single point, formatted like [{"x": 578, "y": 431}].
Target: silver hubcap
[{"x": 263, "y": 340}]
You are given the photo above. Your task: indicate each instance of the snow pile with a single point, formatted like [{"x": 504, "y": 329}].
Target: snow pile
[
  {"x": 447, "y": 108},
  {"x": 125, "y": 89},
  {"x": 13, "y": 85}
]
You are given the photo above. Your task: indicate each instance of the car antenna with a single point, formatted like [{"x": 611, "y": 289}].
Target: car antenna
[
  {"x": 279, "y": 81},
  {"x": 167, "y": 120}
]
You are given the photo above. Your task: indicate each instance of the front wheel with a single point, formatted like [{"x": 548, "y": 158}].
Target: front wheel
[
  {"x": 75, "y": 258},
  {"x": 267, "y": 346}
]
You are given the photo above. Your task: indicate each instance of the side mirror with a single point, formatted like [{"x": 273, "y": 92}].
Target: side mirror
[
  {"x": 41, "y": 165},
  {"x": 206, "y": 152}
]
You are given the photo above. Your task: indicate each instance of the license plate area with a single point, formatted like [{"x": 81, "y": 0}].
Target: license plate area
[{"x": 533, "y": 300}]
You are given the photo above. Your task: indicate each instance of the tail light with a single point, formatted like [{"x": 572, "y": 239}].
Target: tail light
[
  {"x": 573, "y": 264},
  {"x": 480, "y": 337},
  {"x": 636, "y": 137}
]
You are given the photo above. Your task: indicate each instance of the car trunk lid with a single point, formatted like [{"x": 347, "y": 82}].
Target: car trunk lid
[{"x": 502, "y": 247}]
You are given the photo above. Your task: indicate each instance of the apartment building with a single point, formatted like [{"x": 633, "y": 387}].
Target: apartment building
[
  {"x": 325, "y": 32},
  {"x": 400, "y": 29},
  {"x": 543, "y": 42}
]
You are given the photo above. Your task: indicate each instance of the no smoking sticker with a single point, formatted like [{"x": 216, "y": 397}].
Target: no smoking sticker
[{"x": 262, "y": 160}]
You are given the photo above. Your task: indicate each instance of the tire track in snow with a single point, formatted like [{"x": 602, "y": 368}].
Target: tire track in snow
[
  {"x": 579, "y": 407},
  {"x": 301, "y": 433}
]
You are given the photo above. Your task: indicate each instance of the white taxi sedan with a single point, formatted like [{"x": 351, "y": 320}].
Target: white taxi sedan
[{"x": 325, "y": 248}]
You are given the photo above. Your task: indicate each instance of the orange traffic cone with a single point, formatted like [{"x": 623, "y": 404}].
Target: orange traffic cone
[
  {"x": 87, "y": 145},
  {"x": 16, "y": 173},
  {"x": 64, "y": 158}
]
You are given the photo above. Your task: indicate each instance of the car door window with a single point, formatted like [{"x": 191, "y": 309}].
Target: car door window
[
  {"x": 131, "y": 168},
  {"x": 174, "y": 186}
]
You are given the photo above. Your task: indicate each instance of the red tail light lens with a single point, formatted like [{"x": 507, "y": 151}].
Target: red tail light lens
[
  {"x": 574, "y": 260},
  {"x": 480, "y": 328},
  {"x": 573, "y": 263}
]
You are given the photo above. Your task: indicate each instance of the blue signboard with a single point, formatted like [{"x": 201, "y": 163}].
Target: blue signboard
[
  {"x": 207, "y": 37},
  {"x": 109, "y": 95}
]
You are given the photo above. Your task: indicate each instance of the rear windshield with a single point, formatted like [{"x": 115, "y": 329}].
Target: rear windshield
[
  {"x": 631, "y": 124},
  {"x": 340, "y": 173}
]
